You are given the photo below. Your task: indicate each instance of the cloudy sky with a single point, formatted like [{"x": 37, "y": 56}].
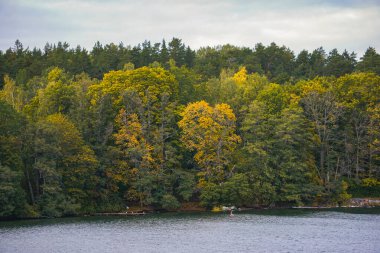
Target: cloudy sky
[{"x": 346, "y": 24}]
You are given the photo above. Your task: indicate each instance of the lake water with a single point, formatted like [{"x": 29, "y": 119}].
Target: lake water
[{"x": 292, "y": 230}]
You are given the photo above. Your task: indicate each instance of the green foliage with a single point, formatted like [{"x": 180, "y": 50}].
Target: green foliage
[
  {"x": 236, "y": 190},
  {"x": 12, "y": 196},
  {"x": 186, "y": 185},
  {"x": 57, "y": 205},
  {"x": 159, "y": 124},
  {"x": 278, "y": 154},
  {"x": 339, "y": 192},
  {"x": 211, "y": 195},
  {"x": 170, "y": 202},
  {"x": 369, "y": 187},
  {"x": 340, "y": 64},
  {"x": 370, "y": 62},
  {"x": 64, "y": 163}
]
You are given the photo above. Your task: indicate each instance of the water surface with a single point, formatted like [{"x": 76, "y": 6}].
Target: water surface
[{"x": 356, "y": 230}]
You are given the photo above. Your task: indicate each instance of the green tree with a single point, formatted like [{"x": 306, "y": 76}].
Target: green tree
[
  {"x": 12, "y": 195},
  {"x": 370, "y": 62},
  {"x": 278, "y": 158},
  {"x": 340, "y": 64},
  {"x": 64, "y": 165}
]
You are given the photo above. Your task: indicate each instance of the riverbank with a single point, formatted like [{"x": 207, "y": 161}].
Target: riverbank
[{"x": 195, "y": 207}]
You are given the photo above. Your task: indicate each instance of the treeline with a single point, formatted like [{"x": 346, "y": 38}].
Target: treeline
[
  {"x": 164, "y": 125},
  {"x": 279, "y": 64}
]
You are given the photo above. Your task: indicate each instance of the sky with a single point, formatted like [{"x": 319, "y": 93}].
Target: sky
[{"x": 347, "y": 24}]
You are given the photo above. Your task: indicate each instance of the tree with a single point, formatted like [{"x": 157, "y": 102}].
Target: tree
[
  {"x": 187, "y": 81},
  {"x": 12, "y": 195},
  {"x": 370, "y": 62},
  {"x": 150, "y": 94},
  {"x": 340, "y": 64},
  {"x": 164, "y": 124},
  {"x": 323, "y": 110},
  {"x": 136, "y": 161},
  {"x": 177, "y": 51},
  {"x": 236, "y": 190},
  {"x": 358, "y": 94},
  {"x": 276, "y": 62},
  {"x": 57, "y": 97},
  {"x": 210, "y": 132},
  {"x": 12, "y": 94},
  {"x": 164, "y": 54},
  {"x": 318, "y": 62},
  {"x": 278, "y": 158},
  {"x": 65, "y": 167},
  {"x": 303, "y": 68},
  {"x": 189, "y": 57}
]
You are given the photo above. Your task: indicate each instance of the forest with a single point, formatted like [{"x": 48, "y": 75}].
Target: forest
[{"x": 160, "y": 125}]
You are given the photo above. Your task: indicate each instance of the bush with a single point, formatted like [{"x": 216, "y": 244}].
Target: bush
[
  {"x": 30, "y": 211},
  {"x": 168, "y": 201},
  {"x": 370, "y": 182},
  {"x": 210, "y": 195},
  {"x": 369, "y": 187}
]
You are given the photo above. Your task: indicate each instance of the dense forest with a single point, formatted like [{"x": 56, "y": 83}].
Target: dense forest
[{"x": 160, "y": 125}]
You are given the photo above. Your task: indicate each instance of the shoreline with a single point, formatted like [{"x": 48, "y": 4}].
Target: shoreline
[{"x": 153, "y": 212}]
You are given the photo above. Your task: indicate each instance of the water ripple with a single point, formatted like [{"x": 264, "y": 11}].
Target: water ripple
[{"x": 245, "y": 232}]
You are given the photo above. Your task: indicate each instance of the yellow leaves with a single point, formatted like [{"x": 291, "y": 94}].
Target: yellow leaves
[
  {"x": 241, "y": 76},
  {"x": 130, "y": 132},
  {"x": 136, "y": 152},
  {"x": 145, "y": 81},
  {"x": 202, "y": 182},
  {"x": 11, "y": 93},
  {"x": 205, "y": 122},
  {"x": 224, "y": 114},
  {"x": 313, "y": 87},
  {"x": 134, "y": 171},
  {"x": 55, "y": 74},
  {"x": 118, "y": 177},
  {"x": 318, "y": 86},
  {"x": 209, "y": 131},
  {"x": 64, "y": 129},
  {"x": 294, "y": 100},
  {"x": 205, "y": 116},
  {"x": 370, "y": 182},
  {"x": 358, "y": 89},
  {"x": 196, "y": 109}
]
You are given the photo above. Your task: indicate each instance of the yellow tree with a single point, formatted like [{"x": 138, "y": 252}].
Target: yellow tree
[
  {"x": 210, "y": 132},
  {"x": 135, "y": 163},
  {"x": 241, "y": 76},
  {"x": 11, "y": 93},
  {"x": 151, "y": 94}
]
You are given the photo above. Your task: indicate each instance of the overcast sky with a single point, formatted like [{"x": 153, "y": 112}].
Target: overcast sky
[{"x": 347, "y": 24}]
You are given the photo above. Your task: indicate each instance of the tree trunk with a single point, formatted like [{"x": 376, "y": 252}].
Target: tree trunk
[
  {"x": 29, "y": 186},
  {"x": 321, "y": 164}
]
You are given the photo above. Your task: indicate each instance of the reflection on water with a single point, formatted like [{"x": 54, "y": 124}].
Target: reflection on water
[{"x": 259, "y": 231}]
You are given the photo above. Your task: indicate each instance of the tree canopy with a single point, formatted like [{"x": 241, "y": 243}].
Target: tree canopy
[{"x": 158, "y": 125}]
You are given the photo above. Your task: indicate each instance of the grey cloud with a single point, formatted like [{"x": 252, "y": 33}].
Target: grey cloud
[{"x": 347, "y": 24}]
